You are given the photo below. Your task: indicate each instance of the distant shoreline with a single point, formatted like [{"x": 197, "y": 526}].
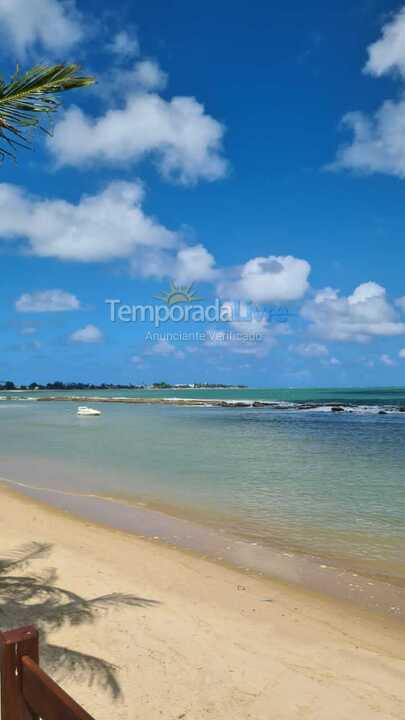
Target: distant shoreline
[{"x": 63, "y": 387}]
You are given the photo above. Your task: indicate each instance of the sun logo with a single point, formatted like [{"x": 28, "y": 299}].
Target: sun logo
[{"x": 178, "y": 294}]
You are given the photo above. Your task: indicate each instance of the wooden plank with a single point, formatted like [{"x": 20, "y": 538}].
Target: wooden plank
[
  {"x": 45, "y": 697},
  {"x": 15, "y": 644}
]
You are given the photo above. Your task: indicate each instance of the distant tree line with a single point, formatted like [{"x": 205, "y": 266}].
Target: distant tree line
[{"x": 59, "y": 385}]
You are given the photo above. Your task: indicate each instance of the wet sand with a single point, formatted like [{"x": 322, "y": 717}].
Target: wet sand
[{"x": 329, "y": 576}]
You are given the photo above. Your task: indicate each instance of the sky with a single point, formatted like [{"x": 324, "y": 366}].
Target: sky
[{"x": 249, "y": 155}]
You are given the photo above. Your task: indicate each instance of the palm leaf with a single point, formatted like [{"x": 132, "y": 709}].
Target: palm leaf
[{"x": 28, "y": 97}]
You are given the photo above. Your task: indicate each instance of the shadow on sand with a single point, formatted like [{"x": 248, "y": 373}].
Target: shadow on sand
[{"x": 31, "y": 599}]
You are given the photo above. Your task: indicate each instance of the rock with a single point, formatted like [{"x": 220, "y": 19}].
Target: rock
[
  {"x": 337, "y": 408},
  {"x": 382, "y": 412},
  {"x": 402, "y": 409}
]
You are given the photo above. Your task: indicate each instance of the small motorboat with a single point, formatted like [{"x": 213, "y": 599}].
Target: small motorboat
[{"x": 88, "y": 412}]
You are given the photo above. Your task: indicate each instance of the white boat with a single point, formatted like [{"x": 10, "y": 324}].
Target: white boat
[{"x": 89, "y": 412}]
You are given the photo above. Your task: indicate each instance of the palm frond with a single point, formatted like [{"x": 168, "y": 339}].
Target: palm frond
[{"x": 30, "y": 96}]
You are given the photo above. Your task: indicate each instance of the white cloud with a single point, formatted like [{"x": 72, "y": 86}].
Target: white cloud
[
  {"x": 119, "y": 82},
  {"x": 387, "y": 360},
  {"x": 87, "y": 334},
  {"x": 108, "y": 226},
  {"x": 100, "y": 227},
  {"x": 364, "y": 314},
  {"x": 311, "y": 350},
  {"x": 124, "y": 44},
  {"x": 165, "y": 349},
  {"x": 315, "y": 350},
  {"x": 378, "y": 141},
  {"x": 378, "y": 144},
  {"x": 47, "y": 301},
  {"x": 268, "y": 279},
  {"x": 187, "y": 265},
  {"x": 48, "y": 25},
  {"x": 388, "y": 53},
  {"x": 194, "y": 264},
  {"x": 401, "y": 354},
  {"x": 185, "y": 142},
  {"x": 162, "y": 348},
  {"x": 149, "y": 75}
]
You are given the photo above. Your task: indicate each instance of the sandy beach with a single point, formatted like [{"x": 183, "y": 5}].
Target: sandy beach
[{"x": 134, "y": 629}]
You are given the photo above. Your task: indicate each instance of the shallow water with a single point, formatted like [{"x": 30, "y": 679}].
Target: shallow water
[{"x": 320, "y": 483}]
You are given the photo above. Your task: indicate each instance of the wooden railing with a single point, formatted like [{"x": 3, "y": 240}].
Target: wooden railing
[{"x": 27, "y": 692}]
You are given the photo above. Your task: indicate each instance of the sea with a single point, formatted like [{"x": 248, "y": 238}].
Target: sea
[{"x": 304, "y": 484}]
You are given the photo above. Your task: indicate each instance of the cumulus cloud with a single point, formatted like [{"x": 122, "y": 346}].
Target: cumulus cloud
[
  {"x": 268, "y": 279},
  {"x": 183, "y": 139},
  {"x": 378, "y": 140},
  {"x": 120, "y": 81},
  {"x": 378, "y": 143},
  {"x": 124, "y": 44},
  {"x": 88, "y": 334},
  {"x": 194, "y": 264},
  {"x": 188, "y": 264},
  {"x": 48, "y": 25},
  {"x": 388, "y": 53},
  {"x": 100, "y": 227},
  {"x": 149, "y": 75},
  {"x": 401, "y": 354},
  {"x": 110, "y": 225},
  {"x": 47, "y": 301},
  {"x": 365, "y": 314}
]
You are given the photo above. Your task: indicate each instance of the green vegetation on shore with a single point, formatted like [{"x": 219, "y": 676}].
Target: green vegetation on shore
[{"x": 58, "y": 385}]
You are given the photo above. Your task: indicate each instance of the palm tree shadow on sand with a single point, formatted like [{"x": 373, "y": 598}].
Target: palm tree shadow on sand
[{"x": 36, "y": 599}]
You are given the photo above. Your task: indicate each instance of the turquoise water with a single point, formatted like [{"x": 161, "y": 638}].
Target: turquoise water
[
  {"x": 324, "y": 483},
  {"x": 357, "y": 396}
]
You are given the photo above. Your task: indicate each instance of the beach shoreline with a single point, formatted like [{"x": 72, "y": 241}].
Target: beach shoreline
[
  {"x": 325, "y": 575},
  {"x": 204, "y": 639}
]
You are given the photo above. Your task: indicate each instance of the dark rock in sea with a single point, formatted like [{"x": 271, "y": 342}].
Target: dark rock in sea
[
  {"x": 402, "y": 409},
  {"x": 258, "y": 403},
  {"x": 337, "y": 408},
  {"x": 227, "y": 404},
  {"x": 382, "y": 412}
]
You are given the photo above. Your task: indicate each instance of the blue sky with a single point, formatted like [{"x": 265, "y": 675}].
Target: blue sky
[{"x": 257, "y": 150}]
